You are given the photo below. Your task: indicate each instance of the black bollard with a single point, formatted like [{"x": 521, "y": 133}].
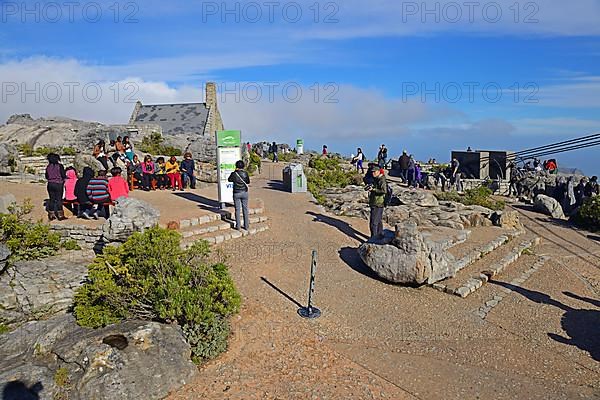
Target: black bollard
[{"x": 309, "y": 311}]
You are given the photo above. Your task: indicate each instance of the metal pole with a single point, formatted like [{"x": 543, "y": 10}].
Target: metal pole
[{"x": 309, "y": 311}]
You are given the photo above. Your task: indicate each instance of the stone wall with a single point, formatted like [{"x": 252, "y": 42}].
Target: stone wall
[
  {"x": 87, "y": 237},
  {"x": 39, "y": 163}
]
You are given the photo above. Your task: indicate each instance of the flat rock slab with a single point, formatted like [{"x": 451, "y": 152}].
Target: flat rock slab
[
  {"x": 132, "y": 360},
  {"x": 34, "y": 289}
]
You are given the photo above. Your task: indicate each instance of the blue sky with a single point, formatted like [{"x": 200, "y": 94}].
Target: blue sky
[{"x": 374, "y": 60}]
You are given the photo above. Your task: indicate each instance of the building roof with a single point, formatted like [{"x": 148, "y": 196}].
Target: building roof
[{"x": 175, "y": 119}]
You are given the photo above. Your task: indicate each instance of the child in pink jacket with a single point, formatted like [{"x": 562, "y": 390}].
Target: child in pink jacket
[{"x": 117, "y": 186}]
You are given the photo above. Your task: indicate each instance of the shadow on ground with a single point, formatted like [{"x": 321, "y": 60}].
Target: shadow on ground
[
  {"x": 340, "y": 225},
  {"x": 581, "y": 325},
  {"x": 203, "y": 202},
  {"x": 18, "y": 390},
  {"x": 281, "y": 292},
  {"x": 276, "y": 185}
]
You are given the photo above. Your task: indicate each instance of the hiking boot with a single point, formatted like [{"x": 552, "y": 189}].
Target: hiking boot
[
  {"x": 51, "y": 216},
  {"x": 61, "y": 215}
]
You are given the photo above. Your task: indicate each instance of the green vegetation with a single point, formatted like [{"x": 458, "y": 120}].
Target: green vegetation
[
  {"x": 70, "y": 244},
  {"x": 588, "y": 215},
  {"x": 327, "y": 173},
  {"x": 150, "y": 278},
  {"x": 255, "y": 163},
  {"x": 28, "y": 151},
  {"x": 284, "y": 157},
  {"x": 481, "y": 196},
  {"x": 61, "y": 377},
  {"x": 63, "y": 384},
  {"x": 3, "y": 328},
  {"x": 26, "y": 239},
  {"x": 153, "y": 144}
]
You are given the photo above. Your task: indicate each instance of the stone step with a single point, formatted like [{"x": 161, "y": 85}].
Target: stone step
[
  {"x": 218, "y": 215},
  {"x": 218, "y": 225},
  {"x": 224, "y": 235},
  {"x": 488, "y": 265}
]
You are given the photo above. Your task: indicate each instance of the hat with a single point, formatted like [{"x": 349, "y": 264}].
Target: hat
[{"x": 374, "y": 168}]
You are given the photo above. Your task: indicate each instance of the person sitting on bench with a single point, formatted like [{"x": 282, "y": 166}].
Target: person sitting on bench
[
  {"x": 81, "y": 191},
  {"x": 97, "y": 191}
]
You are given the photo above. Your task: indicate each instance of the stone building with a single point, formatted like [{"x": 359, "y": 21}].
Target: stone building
[{"x": 190, "y": 126}]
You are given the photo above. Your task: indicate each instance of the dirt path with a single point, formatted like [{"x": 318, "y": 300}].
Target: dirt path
[{"x": 377, "y": 340}]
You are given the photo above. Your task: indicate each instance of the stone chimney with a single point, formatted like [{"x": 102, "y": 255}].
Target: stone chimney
[
  {"x": 214, "y": 123},
  {"x": 211, "y": 95}
]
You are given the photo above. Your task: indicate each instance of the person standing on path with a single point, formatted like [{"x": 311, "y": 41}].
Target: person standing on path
[
  {"x": 360, "y": 158},
  {"x": 55, "y": 175},
  {"x": 382, "y": 156},
  {"x": 241, "y": 182},
  {"x": 403, "y": 161},
  {"x": 274, "y": 151},
  {"x": 456, "y": 175},
  {"x": 377, "y": 191}
]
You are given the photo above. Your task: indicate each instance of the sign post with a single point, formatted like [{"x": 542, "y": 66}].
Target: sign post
[
  {"x": 228, "y": 153},
  {"x": 309, "y": 311},
  {"x": 300, "y": 146}
]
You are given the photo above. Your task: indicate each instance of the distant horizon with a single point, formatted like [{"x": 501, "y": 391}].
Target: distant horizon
[{"x": 428, "y": 76}]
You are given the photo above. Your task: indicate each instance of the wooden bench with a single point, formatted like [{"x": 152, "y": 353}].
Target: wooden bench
[{"x": 77, "y": 204}]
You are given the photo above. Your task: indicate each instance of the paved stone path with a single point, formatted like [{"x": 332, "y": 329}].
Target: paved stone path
[{"x": 539, "y": 338}]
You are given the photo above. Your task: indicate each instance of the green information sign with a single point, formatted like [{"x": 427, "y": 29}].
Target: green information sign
[{"x": 229, "y": 138}]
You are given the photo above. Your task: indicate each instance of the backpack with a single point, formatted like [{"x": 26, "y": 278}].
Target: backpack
[{"x": 389, "y": 194}]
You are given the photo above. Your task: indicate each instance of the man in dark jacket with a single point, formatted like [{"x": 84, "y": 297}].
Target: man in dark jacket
[
  {"x": 187, "y": 170},
  {"x": 377, "y": 191},
  {"x": 403, "y": 161},
  {"x": 241, "y": 182}
]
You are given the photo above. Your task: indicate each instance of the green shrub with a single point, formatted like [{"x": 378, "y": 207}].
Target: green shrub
[
  {"x": 30, "y": 170},
  {"x": 284, "y": 157},
  {"x": 149, "y": 277},
  {"x": 3, "y": 328},
  {"x": 255, "y": 163},
  {"x": 588, "y": 215},
  {"x": 68, "y": 151},
  {"x": 481, "y": 196},
  {"x": 153, "y": 144},
  {"x": 327, "y": 173},
  {"x": 27, "y": 240},
  {"x": 70, "y": 244},
  {"x": 44, "y": 151},
  {"x": 26, "y": 149}
]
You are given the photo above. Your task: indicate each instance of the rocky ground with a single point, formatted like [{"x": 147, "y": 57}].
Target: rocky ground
[
  {"x": 376, "y": 340},
  {"x": 538, "y": 338}
]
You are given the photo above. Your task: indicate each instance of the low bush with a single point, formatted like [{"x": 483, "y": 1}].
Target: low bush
[
  {"x": 153, "y": 144},
  {"x": 150, "y": 278},
  {"x": 255, "y": 163},
  {"x": 327, "y": 173},
  {"x": 284, "y": 157},
  {"x": 27, "y": 240},
  {"x": 481, "y": 196},
  {"x": 588, "y": 215}
]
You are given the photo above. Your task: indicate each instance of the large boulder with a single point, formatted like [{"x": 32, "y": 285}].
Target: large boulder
[
  {"x": 549, "y": 206},
  {"x": 129, "y": 216},
  {"x": 87, "y": 160},
  {"x": 6, "y": 200},
  {"x": 8, "y": 157},
  {"x": 409, "y": 257},
  {"x": 131, "y": 360},
  {"x": 34, "y": 289}
]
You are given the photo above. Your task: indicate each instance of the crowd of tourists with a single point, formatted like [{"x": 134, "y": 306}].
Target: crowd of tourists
[
  {"x": 149, "y": 174},
  {"x": 87, "y": 195}
]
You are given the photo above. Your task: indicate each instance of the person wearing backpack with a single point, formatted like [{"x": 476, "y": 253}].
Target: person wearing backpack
[
  {"x": 241, "y": 182},
  {"x": 378, "y": 191}
]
